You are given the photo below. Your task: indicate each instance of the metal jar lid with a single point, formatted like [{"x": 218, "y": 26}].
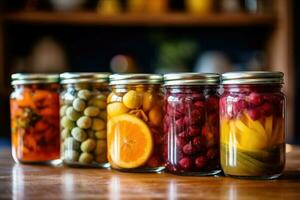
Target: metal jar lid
[
  {"x": 191, "y": 79},
  {"x": 253, "y": 77},
  {"x": 21, "y": 79},
  {"x": 76, "y": 77},
  {"x": 119, "y": 79}
]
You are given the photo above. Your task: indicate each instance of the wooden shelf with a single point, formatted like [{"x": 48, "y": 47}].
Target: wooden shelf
[{"x": 168, "y": 19}]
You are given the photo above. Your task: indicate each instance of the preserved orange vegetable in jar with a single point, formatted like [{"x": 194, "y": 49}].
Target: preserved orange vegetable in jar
[
  {"x": 134, "y": 128},
  {"x": 34, "y": 107}
]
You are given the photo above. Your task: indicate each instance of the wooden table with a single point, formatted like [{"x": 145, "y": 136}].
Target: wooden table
[{"x": 46, "y": 182}]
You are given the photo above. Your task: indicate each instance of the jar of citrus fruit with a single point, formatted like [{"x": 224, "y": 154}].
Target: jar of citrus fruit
[
  {"x": 191, "y": 123},
  {"x": 83, "y": 119},
  {"x": 34, "y": 109},
  {"x": 134, "y": 128},
  {"x": 252, "y": 110}
]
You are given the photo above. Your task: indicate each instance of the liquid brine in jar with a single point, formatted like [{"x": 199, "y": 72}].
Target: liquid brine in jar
[{"x": 134, "y": 128}]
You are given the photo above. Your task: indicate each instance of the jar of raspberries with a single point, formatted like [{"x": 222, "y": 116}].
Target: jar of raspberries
[
  {"x": 191, "y": 123},
  {"x": 252, "y": 110},
  {"x": 134, "y": 127}
]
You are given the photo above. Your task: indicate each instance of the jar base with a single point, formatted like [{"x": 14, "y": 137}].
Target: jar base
[
  {"x": 81, "y": 165},
  {"x": 209, "y": 173},
  {"x": 268, "y": 177},
  {"x": 142, "y": 170},
  {"x": 56, "y": 162}
]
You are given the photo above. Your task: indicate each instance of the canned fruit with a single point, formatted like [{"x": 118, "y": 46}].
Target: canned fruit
[
  {"x": 132, "y": 99},
  {"x": 83, "y": 122},
  {"x": 191, "y": 128},
  {"x": 116, "y": 108},
  {"x": 143, "y": 105},
  {"x": 129, "y": 141},
  {"x": 252, "y": 128}
]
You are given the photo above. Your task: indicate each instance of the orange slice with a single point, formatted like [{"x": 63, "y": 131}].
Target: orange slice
[{"x": 129, "y": 141}]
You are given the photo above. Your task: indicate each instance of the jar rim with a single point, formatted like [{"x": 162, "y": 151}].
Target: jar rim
[
  {"x": 33, "y": 78},
  {"x": 191, "y": 79},
  {"x": 82, "y": 77},
  {"x": 132, "y": 78},
  {"x": 253, "y": 77}
]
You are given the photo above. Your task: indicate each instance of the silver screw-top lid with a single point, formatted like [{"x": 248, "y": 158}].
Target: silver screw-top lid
[
  {"x": 77, "y": 77},
  {"x": 191, "y": 79},
  {"x": 21, "y": 79},
  {"x": 119, "y": 79},
  {"x": 253, "y": 77}
]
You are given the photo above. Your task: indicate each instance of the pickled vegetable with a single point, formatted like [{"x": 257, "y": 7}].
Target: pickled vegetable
[
  {"x": 83, "y": 121},
  {"x": 35, "y": 122}
]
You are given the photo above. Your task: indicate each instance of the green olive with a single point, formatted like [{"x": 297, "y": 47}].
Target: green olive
[
  {"x": 71, "y": 155},
  {"x": 100, "y": 134},
  {"x": 62, "y": 110},
  {"x": 72, "y": 114},
  {"x": 86, "y": 158},
  {"x": 101, "y": 158},
  {"x": 71, "y": 144},
  {"x": 98, "y": 124},
  {"x": 103, "y": 115},
  {"x": 65, "y": 133},
  {"x": 78, "y": 105},
  {"x": 101, "y": 147},
  {"x": 84, "y": 94},
  {"x": 79, "y": 134},
  {"x": 91, "y": 111},
  {"x": 67, "y": 123},
  {"x": 84, "y": 122},
  {"x": 88, "y": 145}
]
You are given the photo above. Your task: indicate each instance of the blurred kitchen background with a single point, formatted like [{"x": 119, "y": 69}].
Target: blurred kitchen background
[{"x": 150, "y": 36}]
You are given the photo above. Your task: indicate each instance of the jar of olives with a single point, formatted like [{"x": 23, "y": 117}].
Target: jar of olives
[
  {"x": 252, "y": 114},
  {"x": 83, "y": 119},
  {"x": 34, "y": 109},
  {"x": 191, "y": 123},
  {"x": 134, "y": 128}
]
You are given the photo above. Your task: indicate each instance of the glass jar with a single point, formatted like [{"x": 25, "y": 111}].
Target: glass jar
[
  {"x": 191, "y": 123},
  {"x": 83, "y": 119},
  {"x": 252, "y": 110},
  {"x": 34, "y": 109},
  {"x": 134, "y": 128}
]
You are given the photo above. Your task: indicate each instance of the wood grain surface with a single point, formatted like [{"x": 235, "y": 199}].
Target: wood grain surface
[{"x": 47, "y": 182}]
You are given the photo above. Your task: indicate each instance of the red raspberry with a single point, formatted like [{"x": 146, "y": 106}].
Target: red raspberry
[
  {"x": 188, "y": 149},
  {"x": 211, "y": 153},
  {"x": 194, "y": 131},
  {"x": 185, "y": 163},
  {"x": 255, "y": 98},
  {"x": 180, "y": 142},
  {"x": 200, "y": 162},
  {"x": 267, "y": 109},
  {"x": 254, "y": 113},
  {"x": 152, "y": 162}
]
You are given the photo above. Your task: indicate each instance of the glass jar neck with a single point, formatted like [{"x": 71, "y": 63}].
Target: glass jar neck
[{"x": 252, "y": 88}]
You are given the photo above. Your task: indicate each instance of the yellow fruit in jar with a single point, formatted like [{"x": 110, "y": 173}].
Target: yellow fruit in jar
[
  {"x": 148, "y": 100},
  {"x": 132, "y": 99},
  {"x": 129, "y": 140},
  {"x": 250, "y": 139},
  {"x": 116, "y": 108},
  {"x": 155, "y": 115},
  {"x": 140, "y": 88},
  {"x": 113, "y": 97}
]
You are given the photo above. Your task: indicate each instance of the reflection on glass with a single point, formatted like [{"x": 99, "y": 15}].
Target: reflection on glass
[{"x": 67, "y": 185}]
